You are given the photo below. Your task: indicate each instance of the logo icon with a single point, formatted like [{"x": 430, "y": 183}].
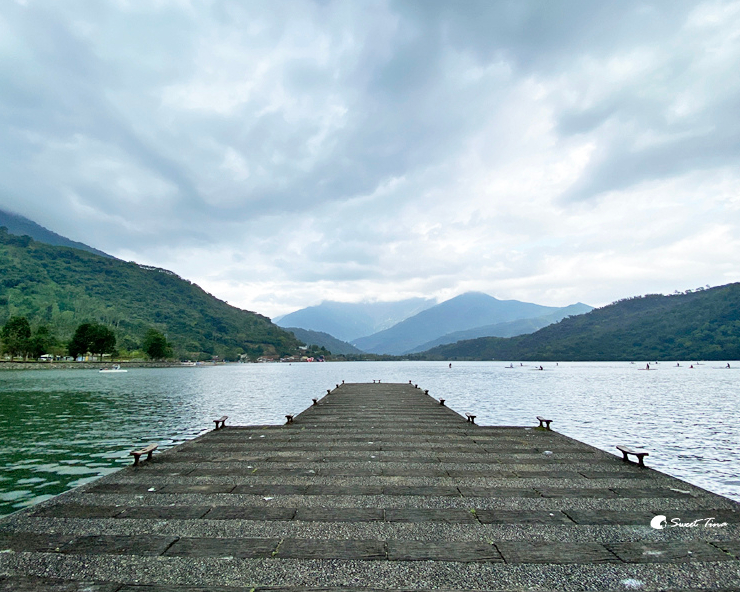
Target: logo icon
[{"x": 659, "y": 522}]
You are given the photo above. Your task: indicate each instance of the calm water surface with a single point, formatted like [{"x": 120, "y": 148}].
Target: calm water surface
[{"x": 60, "y": 429}]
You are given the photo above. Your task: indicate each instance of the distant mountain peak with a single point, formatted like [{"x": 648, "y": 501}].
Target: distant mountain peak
[{"x": 472, "y": 295}]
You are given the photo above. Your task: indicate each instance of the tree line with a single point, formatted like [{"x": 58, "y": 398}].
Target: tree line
[{"x": 20, "y": 341}]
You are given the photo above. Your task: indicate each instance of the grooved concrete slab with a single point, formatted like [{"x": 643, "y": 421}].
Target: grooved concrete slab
[
  {"x": 222, "y": 547},
  {"x": 667, "y": 551},
  {"x": 378, "y": 487},
  {"x": 465, "y": 551},
  {"x": 76, "y": 511},
  {"x": 538, "y": 552},
  {"x": 31, "y": 541},
  {"x": 164, "y": 512},
  {"x": 339, "y": 514},
  {"x": 453, "y": 515},
  {"x": 119, "y": 545},
  {"x": 194, "y": 488},
  {"x": 37, "y": 584},
  {"x": 521, "y": 517},
  {"x": 249, "y": 513},
  {"x": 331, "y": 549}
]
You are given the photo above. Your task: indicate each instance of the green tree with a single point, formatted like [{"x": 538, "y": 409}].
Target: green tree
[
  {"x": 103, "y": 341},
  {"x": 155, "y": 345},
  {"x": 254, "y": 352},
  {"x": 129, "y": 343},
  {"x": 80, "y": 342},
  {"x": 42, "y": 342},
  {"x": 16, "y": 334},
  {"x": 93, "y": 338}
]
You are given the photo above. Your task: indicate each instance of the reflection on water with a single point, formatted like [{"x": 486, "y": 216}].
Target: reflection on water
[{"x": 59, "y": 429}]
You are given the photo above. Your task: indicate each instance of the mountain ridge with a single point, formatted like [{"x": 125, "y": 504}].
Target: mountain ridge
[
  {"x": 507, "y": 329},
  {"x": 702, "y": 324},
  {"x": 463, "y": 312},
  {"x": 20, "y": 226}
]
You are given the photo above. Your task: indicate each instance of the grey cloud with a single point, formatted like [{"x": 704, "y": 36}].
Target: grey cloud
[
  {"x": 411, "y": 123},
  {"x": 535, "y": 35},
  {"x": 320, "y": 105},
  {"x": 581, "y": 121},
  {"x": 63, "y": 91},
  {"x": 704, "y": 140},
  {"x": 622, "y": 167}
]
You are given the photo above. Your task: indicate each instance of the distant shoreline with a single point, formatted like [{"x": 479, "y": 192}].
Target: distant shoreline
[{"x": 16, "y": 365}]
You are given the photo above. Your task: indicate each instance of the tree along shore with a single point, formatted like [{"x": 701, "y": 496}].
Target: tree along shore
[{"x": 19, "y": 365}]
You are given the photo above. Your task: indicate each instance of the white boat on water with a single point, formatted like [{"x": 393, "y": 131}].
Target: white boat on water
[{"x": 115, "y": 368}]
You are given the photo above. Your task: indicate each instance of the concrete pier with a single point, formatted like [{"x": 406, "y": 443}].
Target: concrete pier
[{"x": 377, "y": 486}]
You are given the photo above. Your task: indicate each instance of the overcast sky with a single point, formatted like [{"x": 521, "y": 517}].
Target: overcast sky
[{"x": 283, "y": 153}]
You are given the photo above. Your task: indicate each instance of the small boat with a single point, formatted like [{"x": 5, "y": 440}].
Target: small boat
[{"x": 115, "y": 368}]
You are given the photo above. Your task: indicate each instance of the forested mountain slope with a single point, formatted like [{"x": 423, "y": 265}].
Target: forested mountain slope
[
  {"x": 63, "y": 287},
  {"x": 696, "y": 325}
]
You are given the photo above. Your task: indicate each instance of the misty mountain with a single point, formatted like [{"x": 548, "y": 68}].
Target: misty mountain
[
  {"x": 19, "y": 226},
  {"x": 467, "y": 311},
  {"x": 334, "y": 345},
  {"x": 348, "y": 321},
  {"x": 508, "y": 329}
]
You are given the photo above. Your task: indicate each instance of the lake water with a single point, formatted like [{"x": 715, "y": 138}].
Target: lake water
[{"x": 63, "y": 428}]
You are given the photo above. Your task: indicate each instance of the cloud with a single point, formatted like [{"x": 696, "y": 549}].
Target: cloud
[{"x": 282, "y": 154}]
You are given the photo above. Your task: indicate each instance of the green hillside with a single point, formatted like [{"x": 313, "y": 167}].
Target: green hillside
[
  {"x": 63, "y": 287},
  {"x": 696, "y": 325}
]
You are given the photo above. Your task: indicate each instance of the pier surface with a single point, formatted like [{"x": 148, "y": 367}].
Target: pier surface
[{"x": 378, "y": 486}]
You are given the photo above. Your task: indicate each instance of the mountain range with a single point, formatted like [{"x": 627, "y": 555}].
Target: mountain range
[
  {"x": 695, "y": 325},
  {"x": 467, "y": 311},
  {"x": 414, "y": 325}
]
